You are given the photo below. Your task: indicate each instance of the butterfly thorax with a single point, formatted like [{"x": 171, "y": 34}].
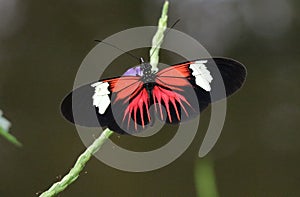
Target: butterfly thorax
[{"x": 148, "y": 75}]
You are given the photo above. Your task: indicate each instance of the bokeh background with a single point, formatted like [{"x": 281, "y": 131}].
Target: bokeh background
[{"x": 42, "y": 44}]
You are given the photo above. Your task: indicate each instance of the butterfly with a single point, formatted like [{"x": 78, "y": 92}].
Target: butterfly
[{"x": 132, "y": 102}]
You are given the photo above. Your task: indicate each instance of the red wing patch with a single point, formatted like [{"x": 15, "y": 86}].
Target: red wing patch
[
  {"x": 140, "y": 102},
  {"x": 172, "y": 83},
  {"x": 174, "y": 77},
  {"x": 180, "y": 70},
  {"x": 133, "y": 100},
  {"x": 124, "y": 87},
  {"x": 170, "y": 99}
]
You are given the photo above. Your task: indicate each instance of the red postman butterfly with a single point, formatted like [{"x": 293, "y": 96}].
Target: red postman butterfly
[{"x": 132, "y": 102}]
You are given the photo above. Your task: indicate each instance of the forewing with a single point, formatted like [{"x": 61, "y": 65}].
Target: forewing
[
  {"x": 188, "y": 88},
  {"x": 91, "y": 104}
]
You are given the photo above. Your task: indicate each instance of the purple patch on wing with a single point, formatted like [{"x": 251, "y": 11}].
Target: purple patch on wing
[{"x": 134, "y": 71}]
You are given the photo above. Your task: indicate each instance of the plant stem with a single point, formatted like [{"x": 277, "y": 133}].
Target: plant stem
[
  {"x": 84, "y": 157},
  {"x": 158, "y": 37},
  {"x": 205, "y": 178},
  {"x": 79, "y": 165}
]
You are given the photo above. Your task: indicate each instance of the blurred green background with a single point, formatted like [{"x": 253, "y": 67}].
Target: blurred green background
[{"x": 42, "y": 44}]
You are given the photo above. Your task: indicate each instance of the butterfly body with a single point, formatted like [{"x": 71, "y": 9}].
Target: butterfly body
[
  {"x": 133, "y": 101},
  {"x": 148, "y": 76}
]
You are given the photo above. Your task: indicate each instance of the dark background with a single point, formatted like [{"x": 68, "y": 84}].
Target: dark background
[{"x": 42, "y": 44}]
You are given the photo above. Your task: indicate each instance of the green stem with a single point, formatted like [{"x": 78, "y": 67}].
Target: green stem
[
  {"x": 84, "y": 157},
  {"x": 79, "y": 165},
  {"x": 205, "y": 178},
  {"x": 158, "y": 37}
]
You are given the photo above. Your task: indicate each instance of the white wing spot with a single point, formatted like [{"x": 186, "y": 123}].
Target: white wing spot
[
  {"x": 100, "y": 97},
  {"x": 202, "y": 75}
]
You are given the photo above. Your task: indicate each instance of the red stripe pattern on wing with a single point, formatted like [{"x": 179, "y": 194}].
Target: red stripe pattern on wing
[
  {"x": 140, "y": 101},
  {"x": 170, "y": 90},
  {"x": 132, "y": 99},
  {"x": 124, "y": 87}
]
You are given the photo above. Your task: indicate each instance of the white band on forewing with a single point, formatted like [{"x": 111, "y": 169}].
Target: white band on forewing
[
  {"x": 100, "y": 97},
  {"x": 202, "y": 75}
]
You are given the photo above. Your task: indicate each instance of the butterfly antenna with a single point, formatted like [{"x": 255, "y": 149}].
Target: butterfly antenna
[
  {"x": 133, "y": 56},
  {"x": 165, "y": 36}
]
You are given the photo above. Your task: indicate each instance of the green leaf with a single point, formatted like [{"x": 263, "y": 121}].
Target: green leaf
[
  {"x": 9, "y": 137},
  {"x": 4, "y": 130}
]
